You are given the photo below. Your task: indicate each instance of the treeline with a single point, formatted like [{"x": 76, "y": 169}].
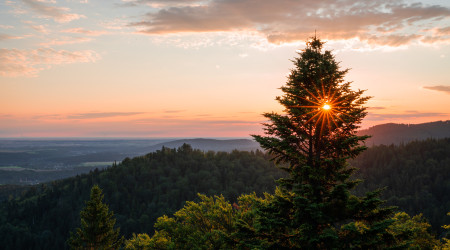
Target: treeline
[
  {"x": 138, "y": 190},
  {"x": 416, "y": 176}
]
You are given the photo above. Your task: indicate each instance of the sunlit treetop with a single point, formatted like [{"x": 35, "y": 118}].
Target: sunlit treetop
[{"x": 321, "y": 111}]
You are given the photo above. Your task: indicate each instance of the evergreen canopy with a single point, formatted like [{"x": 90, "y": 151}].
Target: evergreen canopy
[
  {"x": 97, "y": 226},
  {"x": 315, "y": 136}
]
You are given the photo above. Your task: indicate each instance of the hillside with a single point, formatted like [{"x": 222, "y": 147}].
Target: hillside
[
  {"x": 416, "y": 176},
  {"x": 34, "y": 161},
  {"x": 138, "y": 190},
  {"x": 392, "y": 133}
]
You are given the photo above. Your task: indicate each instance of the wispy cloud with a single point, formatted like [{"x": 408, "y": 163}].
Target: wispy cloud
[
  {"x": 39, "y": 28},
  {"x": 85, "y": 31},
  {"x": 382, "y": 22},
  {"x": 61, "y": 125},
  {"x": 437, "y": 35},
  {"x": 6, "y": 26},
  {"x": 205, "y": 121},
  {"x": 174, "y": 111},
  {"x": 15, "y": 62},
  {"x": 404, "y": 115},
  {"x": 59, "y": 14},
  {"x": 8, "y": 37},
  {"x": 440, "y": 88},
  {"x": 376, "y": 108},
  {"x": 101, "y": 115},
  {"x": 160, "y": 3}
]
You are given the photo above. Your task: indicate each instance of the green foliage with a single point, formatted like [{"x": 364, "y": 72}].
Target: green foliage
[
  {"x": 413, "y": 231},
  {"x": 97, "y": 226},
  {"x": 211, "y": 223},
  {"x": 446, "y": 244},
  {"x": 140, "y": 241},
  {"x": 314, "y": 208},
  {"x": 202, "y": 225}
]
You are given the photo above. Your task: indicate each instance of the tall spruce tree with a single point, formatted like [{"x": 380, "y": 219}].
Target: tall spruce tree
[
  {"x": 97, "y": 226},
  {"x": 314, "y": 138}
]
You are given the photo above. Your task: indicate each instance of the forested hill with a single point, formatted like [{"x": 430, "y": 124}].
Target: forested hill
[
  {"x": 392, "y": 133},
  {"x": 416, "y": 176},
  {"x": 138, "y": 190}
]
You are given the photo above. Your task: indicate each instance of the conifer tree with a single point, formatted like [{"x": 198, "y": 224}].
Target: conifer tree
[
  {"x": 314, "y": 138},
  {"x": 97, "y": 226}
]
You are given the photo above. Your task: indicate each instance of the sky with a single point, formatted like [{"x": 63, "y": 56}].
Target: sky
[{"x": 190, "y": 68}]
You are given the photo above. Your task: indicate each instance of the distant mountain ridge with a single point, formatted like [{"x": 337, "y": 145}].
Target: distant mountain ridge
[
  {"x": 210, "y": 144},
  {"x": 392, "y": 133}
]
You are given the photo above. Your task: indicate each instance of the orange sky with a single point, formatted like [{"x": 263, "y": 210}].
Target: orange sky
[{"x": 153, "y": 68}]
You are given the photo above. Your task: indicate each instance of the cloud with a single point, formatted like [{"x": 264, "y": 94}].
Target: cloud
[
  {"x": 376, "y": 108},
  {"x": 209, "y": 121},
  {"x": 441, "y": 88},
  {"x": 60, "y": 125},
  {"x": 160, "y": 3},
  {"x": 85, "y": 32},
  {"x": 381, "y": 22},
  {"x": 174, "y": 111},
  {"x": 444, "y": 31},
  {"x": 15, "y": 62},
  {"x": 405, "y": 115},
  {"x": 8, "y": 37},
  {"x": 59, "y": 14},
  {"x": 6, "y": 26},
  {"x": 438, "y": 35},
  {"x": 101, "y": 115},
  {"x": 39, "y": 28}
]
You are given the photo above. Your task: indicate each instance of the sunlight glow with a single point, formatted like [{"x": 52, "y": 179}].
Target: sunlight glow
[{"x": 324, "y": 107}]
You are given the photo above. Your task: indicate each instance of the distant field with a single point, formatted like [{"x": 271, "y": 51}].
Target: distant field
[
  {"x": 96, "y": 164},
  {"x": 12, "y": 168}
]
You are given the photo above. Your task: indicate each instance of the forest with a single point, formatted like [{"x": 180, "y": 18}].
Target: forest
[
  {"x": 415, "y": 176},
  {"x": 138, "y": 190}
]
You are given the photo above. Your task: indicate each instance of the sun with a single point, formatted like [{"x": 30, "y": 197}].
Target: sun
[{"x": 325, "y": 108}]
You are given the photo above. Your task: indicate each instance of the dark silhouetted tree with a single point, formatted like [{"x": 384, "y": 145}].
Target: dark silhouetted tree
[{"x": 315, "y": 136}]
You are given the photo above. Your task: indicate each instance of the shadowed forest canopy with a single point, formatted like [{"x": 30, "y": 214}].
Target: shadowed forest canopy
[
  {"x": 54, "y": 207},
  {"x": 138, "y": 190}
]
